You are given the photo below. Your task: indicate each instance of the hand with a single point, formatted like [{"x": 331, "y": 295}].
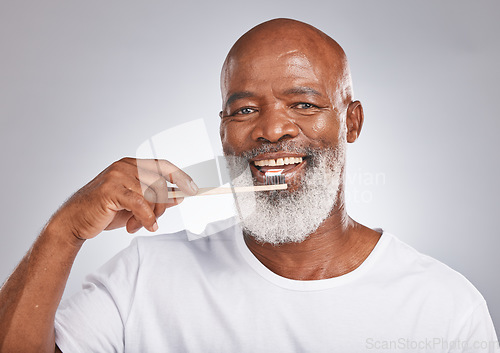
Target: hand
[{"x": 130, "y": 192}]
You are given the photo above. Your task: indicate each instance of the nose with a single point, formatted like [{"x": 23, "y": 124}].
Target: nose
[{"x": 273, "y": 125}]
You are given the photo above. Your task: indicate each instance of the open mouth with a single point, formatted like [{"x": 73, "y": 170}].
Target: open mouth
[{"x": 290, "y": 166}]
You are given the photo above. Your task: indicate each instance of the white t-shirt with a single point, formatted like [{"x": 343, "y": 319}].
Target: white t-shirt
[{"x": 168, "y": 294}]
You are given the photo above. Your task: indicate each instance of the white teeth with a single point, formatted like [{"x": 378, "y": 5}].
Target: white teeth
[{"x": 278, "y": 162}]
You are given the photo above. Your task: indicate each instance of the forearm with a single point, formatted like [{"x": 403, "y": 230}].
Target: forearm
[
  {"x": 114, "y": 199},
  {"x": 31, "y": 295}
]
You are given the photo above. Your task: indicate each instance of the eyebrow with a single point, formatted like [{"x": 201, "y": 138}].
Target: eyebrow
[
  {"x": 238, "y": 95},
  {"x": 302, "y": 90},
  {"x": 295, "y": 90}
]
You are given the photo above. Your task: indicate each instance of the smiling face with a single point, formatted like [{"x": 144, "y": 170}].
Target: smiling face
[
  {"x": 286, "y": 93},
  {"x": 284, "y": 81}
]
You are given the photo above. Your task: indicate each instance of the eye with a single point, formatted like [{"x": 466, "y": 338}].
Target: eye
[
  {"x": 305, "y": 106},
  {"x": 244, "y": 111}
]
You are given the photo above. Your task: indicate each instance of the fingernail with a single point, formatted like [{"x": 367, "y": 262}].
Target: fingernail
[
  {"x": 193, "y": 187},
  {"x": 155, "y": 227}
]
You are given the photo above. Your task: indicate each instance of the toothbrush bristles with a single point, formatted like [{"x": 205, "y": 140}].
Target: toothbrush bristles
[{"x": 274, "y": 179}]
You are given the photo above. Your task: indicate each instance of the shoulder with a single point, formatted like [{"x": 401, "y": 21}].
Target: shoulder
[{"x": 428, "y": 274}]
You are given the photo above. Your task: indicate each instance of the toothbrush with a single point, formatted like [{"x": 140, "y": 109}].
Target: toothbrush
[{"x": 274, "y": 180}]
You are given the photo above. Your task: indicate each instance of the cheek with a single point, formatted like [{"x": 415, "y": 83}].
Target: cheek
[
  {"x": 322, "y": 129},
  {"x": 233, "y": 138},
  {"x": 319, "y": 126}
]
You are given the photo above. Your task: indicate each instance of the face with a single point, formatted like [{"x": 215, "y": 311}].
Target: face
[
  {"x": 271, "y": 98},
  {"x": 283, "y": 111}
]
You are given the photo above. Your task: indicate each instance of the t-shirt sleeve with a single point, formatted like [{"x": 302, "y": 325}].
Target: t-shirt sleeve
[
  {"x": 477, "y": 334},
  {"x": 93, "y": 320}
]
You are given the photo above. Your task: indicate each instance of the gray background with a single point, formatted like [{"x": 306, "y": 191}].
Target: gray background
[{"x": 83, "y": 83}]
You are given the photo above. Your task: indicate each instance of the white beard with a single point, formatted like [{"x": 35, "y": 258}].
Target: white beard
[{"x": 281, "y": 216}]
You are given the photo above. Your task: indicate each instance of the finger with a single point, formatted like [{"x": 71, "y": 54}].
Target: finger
[
  {"x": 160, "y": 207},
  {"x": 119, "y": 220},
  {"x": 140, "y": 208},
  {"x": 169, "y": 171},
  {"x": 157, "y": 194},
  {"x": 133, "y": 225},
  {"x": 154, "y": 187}
]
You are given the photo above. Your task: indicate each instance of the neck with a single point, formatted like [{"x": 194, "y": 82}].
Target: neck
[{"x": 337, "y": 247}]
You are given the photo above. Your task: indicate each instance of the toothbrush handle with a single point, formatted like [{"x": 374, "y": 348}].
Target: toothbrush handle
[{"x": 177, "y": 193}]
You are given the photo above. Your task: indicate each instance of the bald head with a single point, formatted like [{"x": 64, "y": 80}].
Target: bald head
[{"x": 276, "y": 39}]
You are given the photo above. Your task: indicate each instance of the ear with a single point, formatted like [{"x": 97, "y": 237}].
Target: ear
[
  {"x": 221, "y": 129},
  {"x": 354, "y": 120}
]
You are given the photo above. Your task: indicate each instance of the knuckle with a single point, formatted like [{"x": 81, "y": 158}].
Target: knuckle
[
  {"x": 166, "y": 165},
  {"x": 125, "y": 160},
  {"x": 107, "y": 186},
  {"x": 158, "y": 184},
  {"x": 150, "y": 218},
  {"x": 133, "y": 196},
  {"x": 150, "y": 195},
  {"x": 164, "y": 162},
  {"x": 114, "y": 174},
  {"x": 116, "y": 164},
  {"x": 138, "y": 200},
  {"x": 121, "y": 163}
]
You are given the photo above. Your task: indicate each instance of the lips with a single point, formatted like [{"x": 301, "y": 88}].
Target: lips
[{"x": 292, "y": 166}]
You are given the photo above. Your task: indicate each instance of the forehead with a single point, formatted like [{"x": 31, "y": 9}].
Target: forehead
[{"x": 277, "y": 69}]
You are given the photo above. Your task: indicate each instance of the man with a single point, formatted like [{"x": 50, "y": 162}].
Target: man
[{"x": 298, "y": 275}]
